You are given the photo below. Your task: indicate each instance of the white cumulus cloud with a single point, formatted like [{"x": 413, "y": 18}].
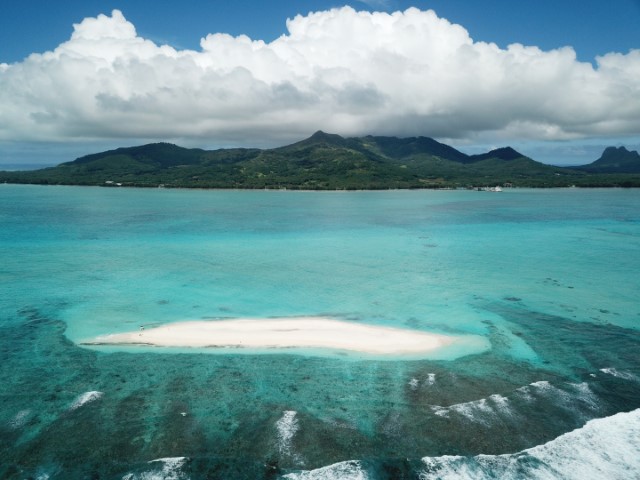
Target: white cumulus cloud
[{"x": 344, "y": 71}]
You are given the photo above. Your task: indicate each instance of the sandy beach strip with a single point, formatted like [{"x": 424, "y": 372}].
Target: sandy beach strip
[{"x": 298, "y": 332}]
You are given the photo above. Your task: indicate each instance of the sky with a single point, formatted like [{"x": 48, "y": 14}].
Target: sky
[{"x": 557, "y": 80}]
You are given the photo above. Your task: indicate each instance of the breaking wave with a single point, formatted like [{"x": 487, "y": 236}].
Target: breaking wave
[
  {"x": 617, "y": 373},
  {"x": 480, "y": 411},
  {"x": 85, "y": 398},
  {"x": 162, "y": 469},
  {"x": 351, "y": 470},
  {"x": 578, "y": 398},
  {"x": 287, "y": 427},
  {"x": 603, "y": 448}
]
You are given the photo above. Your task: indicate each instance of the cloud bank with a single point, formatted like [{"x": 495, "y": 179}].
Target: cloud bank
[{"x": 344, "y": 71}]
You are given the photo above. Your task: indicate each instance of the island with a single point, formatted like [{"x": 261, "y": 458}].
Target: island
[
  {"x": 331, "y": 162},
  {"x": 283, "y": 333}
]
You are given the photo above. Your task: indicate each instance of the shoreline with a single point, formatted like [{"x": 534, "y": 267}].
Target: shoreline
[
  {"x": 281, "y": 333},
  {"x": 611, "y": 186}
]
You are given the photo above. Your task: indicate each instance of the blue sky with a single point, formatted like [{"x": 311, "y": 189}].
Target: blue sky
[
  {"x": 343, "y": 103},
  {"x": 592, "y": 27}
]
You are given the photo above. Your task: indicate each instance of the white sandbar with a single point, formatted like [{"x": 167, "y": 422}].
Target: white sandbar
[{"x": 300, "y": 332}]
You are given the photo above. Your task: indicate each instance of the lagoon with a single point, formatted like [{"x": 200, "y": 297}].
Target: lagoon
[{"x": 546, "y": 279}]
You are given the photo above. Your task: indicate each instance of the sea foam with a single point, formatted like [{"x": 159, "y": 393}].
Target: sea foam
[
  {"x": 549, "y": 391},
  {"x": 577, "y": 397},
  {"x": 170, "y": 469},
  {"x": 431, "y": 379},
  {"x": 585, "y": 395},
  {"x": 20, "y": 419},
  {"x": 617, "y": 373},
  {"x": 603, "y": 448},
  {"x": 85, "y": 398},
  {"x": 479, "y": 411},
  {"x": 287, "y": 427},
  {"x": 350, "y": 470},
  {"x": 414, "y": 383}
]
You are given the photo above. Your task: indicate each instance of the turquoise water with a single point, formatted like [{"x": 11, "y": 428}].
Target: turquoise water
[{"x": 547, "y": 278}]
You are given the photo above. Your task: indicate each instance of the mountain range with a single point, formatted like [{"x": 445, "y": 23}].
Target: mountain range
[{"x": 327, "y": 162}]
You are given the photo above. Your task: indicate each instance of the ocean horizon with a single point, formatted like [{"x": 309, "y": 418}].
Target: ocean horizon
[{"x": 544, "y": 281}]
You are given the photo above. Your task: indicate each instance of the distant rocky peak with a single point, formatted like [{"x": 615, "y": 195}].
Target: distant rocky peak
[
  {"x": 617, "y": 151},
  {"x": 615, "y": 160}
]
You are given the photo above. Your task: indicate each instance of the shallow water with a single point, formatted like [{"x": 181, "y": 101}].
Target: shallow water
[{"x": 547, "y": 277}]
